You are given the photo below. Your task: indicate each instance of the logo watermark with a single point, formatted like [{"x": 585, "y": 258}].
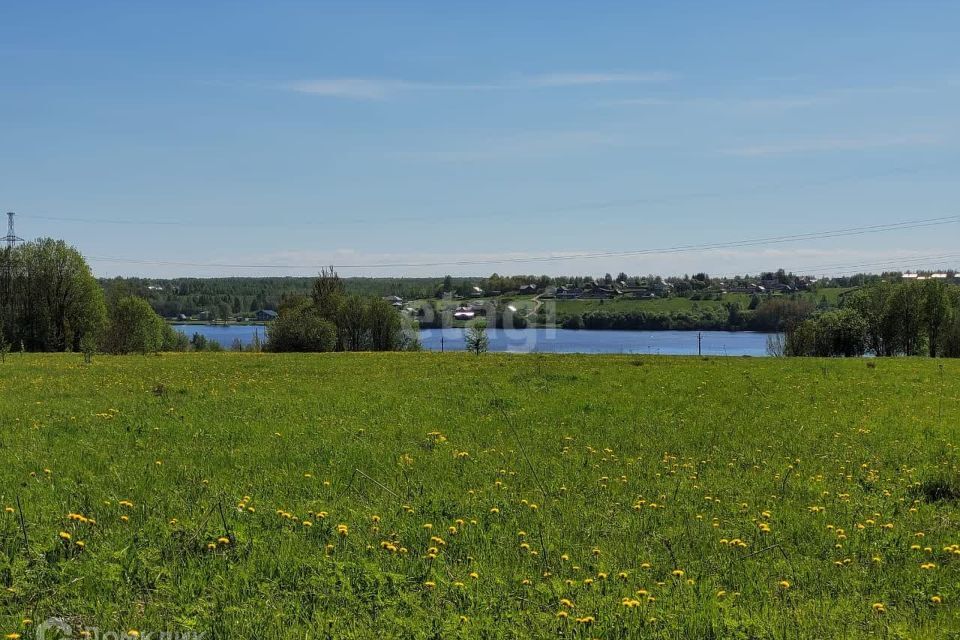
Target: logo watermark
[{"x": 60, "y": 629}]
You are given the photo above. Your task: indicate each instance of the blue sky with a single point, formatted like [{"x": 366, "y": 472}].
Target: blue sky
[{"x": 301, "y": 134}]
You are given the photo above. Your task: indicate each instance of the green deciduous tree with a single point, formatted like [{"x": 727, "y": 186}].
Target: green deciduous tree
[
  {"x": 386, "y": 328},
  {"x": 904, "y": 317},
  {"x": 328, "y": 294},
  {"x": 872, "y": 303},
  {"x": 353, "y": 325},
  {"x": 840, "y": 332},
  {"x": 936, "y": 313},
  {"x": 133, "y": 327},
  {"x": 48, "y": 297}
]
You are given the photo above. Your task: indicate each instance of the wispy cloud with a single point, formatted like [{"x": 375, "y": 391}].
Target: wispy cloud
[
  {"x": 376, "y": 88},
  {"x": 371, "y": 88},
  {"x": 840, "y": 143},
  {"x": 541, "y": 144},
  {"x": 750, "y": 105},
  {"x": 773, "y": 103},
  {"x": 354, "y": 88},
  {"x": 580, "y": 79}
]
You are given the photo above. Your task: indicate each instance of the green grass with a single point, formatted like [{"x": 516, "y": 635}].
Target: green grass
[
  {"x": 675, "y": 304},
  {"x": 638, "y": 467},
  {"x": 656, "y": 305}
]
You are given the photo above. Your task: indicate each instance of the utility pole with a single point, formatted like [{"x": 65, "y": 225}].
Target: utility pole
[{"x": 699, "y": 344}]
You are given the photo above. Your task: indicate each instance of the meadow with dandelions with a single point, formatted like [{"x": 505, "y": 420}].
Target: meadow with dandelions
[{"x": 447, "y": 495}]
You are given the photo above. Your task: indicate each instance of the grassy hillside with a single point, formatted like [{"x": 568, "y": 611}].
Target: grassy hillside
[
  {"x": 428, "y": 495},
  {"x": 668, "y": 305}
]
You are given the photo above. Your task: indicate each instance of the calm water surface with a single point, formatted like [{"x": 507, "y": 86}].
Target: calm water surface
[{"x": 715, "y": 343}]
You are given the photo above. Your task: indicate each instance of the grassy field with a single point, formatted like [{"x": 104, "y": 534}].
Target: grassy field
[
  {"x": 669, "y": 305},
  {"x": 443, "y": 496}
]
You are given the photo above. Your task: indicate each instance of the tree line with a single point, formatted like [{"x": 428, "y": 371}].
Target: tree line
[
  {"x": 50, "y": 301},
  {"x": 909, "y": 318},
  {"x": 224, "y": 298},
  {"x": 770, "y": 314}
]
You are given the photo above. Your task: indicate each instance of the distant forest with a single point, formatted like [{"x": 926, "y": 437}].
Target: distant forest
[{"x": 224, "y": 297}]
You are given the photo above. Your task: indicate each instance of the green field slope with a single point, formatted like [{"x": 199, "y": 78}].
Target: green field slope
[{"x": 445, "y": 496}]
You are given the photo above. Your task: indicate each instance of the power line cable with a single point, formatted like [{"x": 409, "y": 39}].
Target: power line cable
[
  {"x": 852, "y": 231},
  {"x": 341, "y": 218}
]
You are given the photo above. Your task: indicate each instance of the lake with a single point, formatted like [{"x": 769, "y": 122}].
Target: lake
[{"x": 715, "y": 343}]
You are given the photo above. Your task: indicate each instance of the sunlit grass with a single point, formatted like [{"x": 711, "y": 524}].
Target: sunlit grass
[{"x": 428, "y": 495}]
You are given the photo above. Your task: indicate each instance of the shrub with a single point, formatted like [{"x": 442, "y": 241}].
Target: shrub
[{"x": 300, "y": 328}]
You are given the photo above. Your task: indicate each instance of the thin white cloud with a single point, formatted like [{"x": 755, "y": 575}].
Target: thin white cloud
[
  {"x": 539, "y": 144},
  {"x": 352, "y": 88},
  {"x": 774, "y": 103},
  {"x": 580, "y": 79},
  {"x": 840, "y": 143},
  {"x": 750, "y": 105},
  {"x": 370, "y": 88}
]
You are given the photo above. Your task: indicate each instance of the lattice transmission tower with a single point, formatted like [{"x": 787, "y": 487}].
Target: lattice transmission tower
[{"x": 11, "y": 238}]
